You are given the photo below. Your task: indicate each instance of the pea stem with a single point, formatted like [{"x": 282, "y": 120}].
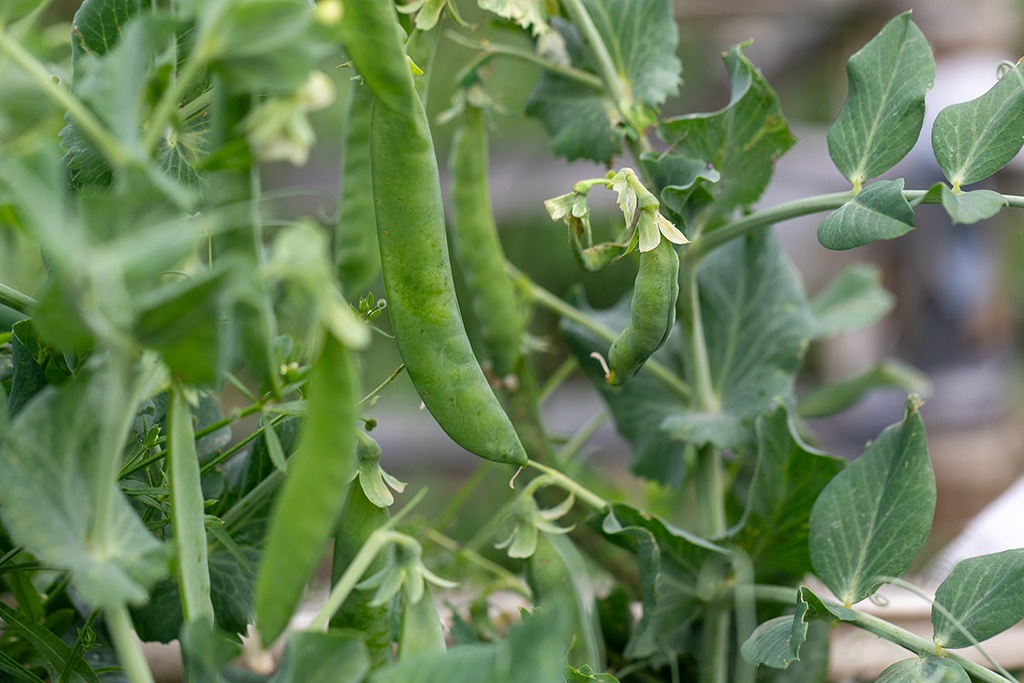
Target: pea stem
[
  {"x": 377, "y": 541},
  {"x": 476, "y": 558},
  {"x": 551, "y": 302},
  {"x": 15, "y": 300},
  {"x": 371, "y": 397},
  {"x": 555, "y": 380},
  {"x": 614, "y": 86},
  {"x": 490, "y": 50},
  {"x": 129, "y": 650},
  {"x": 579, "y": 439},
  {"x": 572, "y": 486}
]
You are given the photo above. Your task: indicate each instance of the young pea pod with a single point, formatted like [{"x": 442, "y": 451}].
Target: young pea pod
[
  {"x": 421, "y": 631},
  {"x": 477, "y": 247},
  {"x": 355, "y": 239},
  {"x": 308, "y": 504},
  {"x": 651, "y": 313},
  {"x": 359, "y": 518}
]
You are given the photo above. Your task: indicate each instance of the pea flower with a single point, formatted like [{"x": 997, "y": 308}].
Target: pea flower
[
  {"x": 528, "y": 520},
  {"x": 372, "y": 478},
  {"x": 279, "y": 128},
  {"x": 408, "y": 573}
]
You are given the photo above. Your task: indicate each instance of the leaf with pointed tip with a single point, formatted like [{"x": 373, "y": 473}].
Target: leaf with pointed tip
[
  {"x": 878, "y": 212},
  {"x": 930, "y": 669},
  {"x": 873, "y": 517},
  {"x": 970, "y": 207},
  {"x": 972, "y": 140},
  {"x": 983, "y": 595},
  {"x": 889, "y": 373},
  {"x": 854, "y": 299},
  {"x": 769, "y": 644},
  {"x": 884, "y": 111}
]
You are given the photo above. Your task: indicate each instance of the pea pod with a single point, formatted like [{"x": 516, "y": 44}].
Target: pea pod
[
  {"x": 359, "y": 518},
  {"x": 311, "y": 497},
  {"x": 413, "y": 249},
  {"x": 421, "y": 631},
  {"x": 651, "y": 313},
  {"x": 477, "y": 247},
  {"x": 355, "y": 242}
]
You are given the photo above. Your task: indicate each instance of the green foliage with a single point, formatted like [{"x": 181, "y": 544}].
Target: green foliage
[
  {"x": 979, "y": 598},
  {"x": 879, "y": 212}
]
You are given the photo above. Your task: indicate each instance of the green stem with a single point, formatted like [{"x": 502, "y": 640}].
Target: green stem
[
  {"x": 490, "y": 50},
  {"x": 117, "y": 414},
  {"x": 127, "y": 644},
  {"x": 15, "y": 300},
  {"x": 371, "y": 397},
  {"x": 512, "y": 581},
  {"x": 376, "y": 542},
  {"x": 555, "y": 380},
  {"x": 79, "y": 113},
  {"x": 571, "y": 485},
  {"x": 551, "y": 302},
  {"x": 883, "y": 629},
  {"x": 613, "y": 83},
  {"x": 578, "y": 440}
]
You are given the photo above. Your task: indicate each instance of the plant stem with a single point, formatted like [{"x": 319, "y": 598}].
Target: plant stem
[
  {"x": 572, "y": 486},
  {"x": 129, "y": 651},
  {"x": 491, "y": 50},
  {"x": 15, "y": 300},
  {"x": 376, "y": 542},
  {"x": 551, "y": 302},
  {"x": 578, "y": 440},
  {"x": 613, "y": 83},
  {"x": 371, "y": 397},
  {"x": 476, "y": 558}
]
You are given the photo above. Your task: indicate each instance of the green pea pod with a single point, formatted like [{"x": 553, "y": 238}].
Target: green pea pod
[
  {"x": 552, "y": 573},
  {"x": 355, "y": 240},
  {"x": 421, "y": 630},
  {"x": 359, "y": 518},
  {"x": 370, "y": 33},
  {"x": 651, "y": 313},
  {"x": 477, "y": 247},
  {"x": 309, "y": 501}
]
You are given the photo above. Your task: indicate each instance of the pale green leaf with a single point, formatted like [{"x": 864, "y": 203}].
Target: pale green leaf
[
  {"x": 331, "y": 657},
  {"x": 930, "y": 669},
  {"x": 887, "y": 374},
  {"x": 855, "y": 298},
  {"x": 872, "y": 519},
  {"x": 769, "y": 644},
  {"x": 740, "y": 142},
  {"x": 970, "y": 207},
  {"x": 973, "y": 140},
  {"x": 810, "y": 608},
  {"x": 529, "y": 14},
  {"x": 879, "y": 212},
  {"x": 884, "y": 110},
  {"x": 983, "y": 594}
]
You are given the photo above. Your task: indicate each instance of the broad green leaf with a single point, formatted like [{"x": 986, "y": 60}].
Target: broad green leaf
[
  {"x": 874, "y": 516},
  {"x": 888, "y": 374},
  {"x": 983, "y": 594},
  {"x": 769, "y": 644},
  {"x": 51, "y": 459},
  {"x": 878, "y": 212},
  {"x": 810, "y": 608},
  {"x": 756, "y": 326},
  {"x": 55, "y": 651},
  {"x": 741, "y": 141},
  {"x": 640, "y": 405},
  {"x": 884, "y": 110},
  {"x": 17, "y": 672},
  {"x": 586, "y": 122},
  {"x": 98, "y": 25},
  {"x": 854, "y": 299},
  {"x": 930, "y": 669},
  {"x": 973, "y": 140},
  {"x": 682, "y": 184},
  {"x": 331, "y": 657},
  {"x": 672, "y": 564},
  {"x": 29, "y": 378},
  {"x": 788, "y": 479},
  {"x": 812, "y": 667},
  {"x": 970, "y": 207}
]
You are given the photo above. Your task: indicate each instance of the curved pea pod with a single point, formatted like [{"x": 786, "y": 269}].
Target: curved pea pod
[
  {"x": 308, "y": 504},
  {"x": 355, "y": 238},
  {"x": 477, "y": 247},
  {"x": 651, "y": 313},
  {"x": 421, "y": 294},
  {"x": 358, "y": 519},
  {"x": 552, "y": 573}
]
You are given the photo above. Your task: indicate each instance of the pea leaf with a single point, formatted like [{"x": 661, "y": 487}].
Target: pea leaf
[
  {"x": 855, "y": 298},
  {"x": 98, "y": 24},
  {"x": 741, "y": 141},
  {"x": 29, "y": 377},
  {"x": 769, "y": 644},
  {"x": 51, "y": 459},
  {"x": 331, "y": 657},
  {"x": 671, "y": 563},
  {"x": 879, "y": 212},
  {"x": 57, "y": 654},
  {"x": 756, "y": 324},
  {"x": 872, "y": 518},
  {"x": 970, "y": 207},
  {"x": 788, "y": 479},
  {"x": 973, "y": 140},
  {"x": 931, "y": 669},
  {"x": 833, "y": 398},
  {"x": 585, "y": 122},
  {"x": 982, "y": 594},
  {"x": 884, "y": 110}
]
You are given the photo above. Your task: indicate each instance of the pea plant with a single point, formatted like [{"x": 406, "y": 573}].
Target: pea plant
[{"x": 188, "y": 437}]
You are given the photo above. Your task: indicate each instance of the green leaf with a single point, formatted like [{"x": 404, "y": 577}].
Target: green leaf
[
  {"x": 583, "y": 121},
  {"x": 884, "y": 111},
  {"x": 756, "y": 326},
  {"x": 810, "y": 608},
  {"x": 673, "y": 563},
  {"x": 873, "y": 517},
  {"x": 55, "y": 651},
  {"x": 741, "y": 141},
  {"x": 854, "y": 299},
  {"x": 17, "y": 671},
  {"x": 788, "y": 479},
  {"x": 639, "y": 406},
  {"x": 973, "y": 140},
  {"x": 331, "y": 657},
  {"x": 51, "y": 458},
  {"x": 98, "y": 25},
  {"x": 888, "y": 374},
  {"x": 769, "y": 644},
  {"x": 682, "y": 184},
  {"x": 206, "y": 651},
  {"x": 930, "y": 669},
  {"x": 970, "y": 207},
  {"x": 983, "y": 595},
  {"x": 878, "y": 212},
  {"x": 29, "y": 378}
]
